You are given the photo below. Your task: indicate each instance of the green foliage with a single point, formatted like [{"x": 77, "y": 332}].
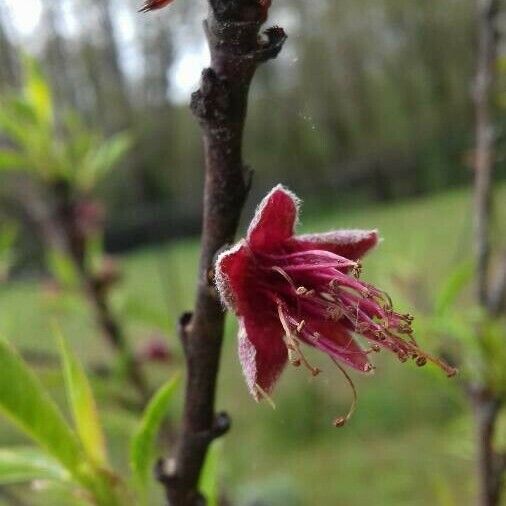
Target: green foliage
[
  {"x": 478, "y": 337},
  {"x": 53, "y": 150},
  {"x": 493, "y": 351},
  {"x": 11, "y": 160},
  {"x": 209, "y": 481},
  {"x": 25, "y": 464},
  {"x": 99, "y": 162},
  {"x": 37, "y": 93},
  {"x": 62, "y": 268},
  {"x": 8, "y": 236},
  {"x": 24, "y": 400},
  {"x": 143, "y": 441},
  {"x": 452, "y": 287},
  {"x": 83, "y": 406}
]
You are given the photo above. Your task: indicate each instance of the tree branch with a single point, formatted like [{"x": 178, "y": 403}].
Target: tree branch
[
  {"x": 232, "y": 29},
  {"x": 485, "y": 402},
  {"x": 96, "y": 286},
  {"x": 484, "y": 139}
]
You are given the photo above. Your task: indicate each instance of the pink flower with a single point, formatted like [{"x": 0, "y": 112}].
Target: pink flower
[{"x": 288, "y": 291}]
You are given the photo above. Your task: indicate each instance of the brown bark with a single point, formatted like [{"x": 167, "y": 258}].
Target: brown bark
[
  {"x": 232, "y": 29},
  {"x": 486, "y": 407},
  {"x": 486, "y": 404},
  {"x": 487, "y": 11}
]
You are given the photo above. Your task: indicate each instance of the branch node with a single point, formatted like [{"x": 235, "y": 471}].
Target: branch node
[
  {"x": 221, "y": 424},
  {"x": 165, "y": 471},
  {"x": 184, "y": 328},
  {"x": 270, "y": 47},
  {"x": 211, "y": 101}
]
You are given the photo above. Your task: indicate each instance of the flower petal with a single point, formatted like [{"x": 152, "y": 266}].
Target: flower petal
[
  {"x": 262, "y": 353},
  {"x": 274, "y": 220},
  {"x": 351, "y": 244},
  {"x": 231, "y": 273}
]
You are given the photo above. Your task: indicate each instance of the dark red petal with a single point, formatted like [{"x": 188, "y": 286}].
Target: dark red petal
[
  {"x": 231, "y": 274},
  {"x": 337, "y": 341},
  {"x": 274, "y": 220},
  {"x": 262, "y": 353},
  {"x": 351, "y": 244}
]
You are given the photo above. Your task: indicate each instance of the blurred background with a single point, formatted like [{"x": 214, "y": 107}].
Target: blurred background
[{"x": 367, "y": 115}]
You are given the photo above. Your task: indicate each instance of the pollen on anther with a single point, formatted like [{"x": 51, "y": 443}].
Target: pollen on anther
[{"x": 340, "y": 421}]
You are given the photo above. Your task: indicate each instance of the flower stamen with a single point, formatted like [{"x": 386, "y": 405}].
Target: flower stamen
[
  {"x": 295, "y": 356},
  {"x": 341, "y": 421}
]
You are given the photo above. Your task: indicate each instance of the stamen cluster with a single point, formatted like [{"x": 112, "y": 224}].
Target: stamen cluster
[{"x": 289, "y": 291}]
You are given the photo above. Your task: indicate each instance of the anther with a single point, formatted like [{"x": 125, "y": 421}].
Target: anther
[
  {"x": 340, "y": 421},
  {"x": 357, "y": 269},
  {"x": 295, "y": 355},
  {"x": 421, "y": 361},
  {"x": 450, "y": 373},
  {"x": 301, "y": 290}
]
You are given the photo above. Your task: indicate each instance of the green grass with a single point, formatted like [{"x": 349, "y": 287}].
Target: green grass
[{"x": 409, "y": 442}]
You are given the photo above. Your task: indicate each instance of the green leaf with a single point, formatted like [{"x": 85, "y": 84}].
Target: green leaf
[
  {"x": 62, "y": 268},
  {"x": 143, "y": 441},
  {"x": 18, "y": 122},
  {"x": 83, "y": 405},
  {"x": 453, "y": 286},
  {"x": 24, "y": 400},
  {"x": 103, "y": 159},
  {"x": 37, "y": 92},
  {"x": 24, "y": 464},
  {"x": 12, "y": 160},
  {"x": 209, "y": 481}
]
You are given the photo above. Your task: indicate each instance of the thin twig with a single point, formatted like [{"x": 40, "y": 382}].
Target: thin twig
[{"x": 485, "y": 402}]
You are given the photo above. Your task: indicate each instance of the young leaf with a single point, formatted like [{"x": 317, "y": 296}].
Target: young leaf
[
  {"x": 24, "y": 464},
  {"x": 453, "y": 286},
  {"x": 209, "y": 482},
  {"x": 103, "y": 159},
  {"x": 24, "y": 400},
  {"x": 12, "y": 160},
  {"x": 37, "y": 92},
  {"x": 83, "y": 405},
  {"x": 143, "y": 441},
  {"x": 62, "y": 268}
]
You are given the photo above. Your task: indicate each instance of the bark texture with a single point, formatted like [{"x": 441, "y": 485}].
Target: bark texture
[
  {"x": 485, "y": 403},
  {"x": 232, "y": 28}
]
